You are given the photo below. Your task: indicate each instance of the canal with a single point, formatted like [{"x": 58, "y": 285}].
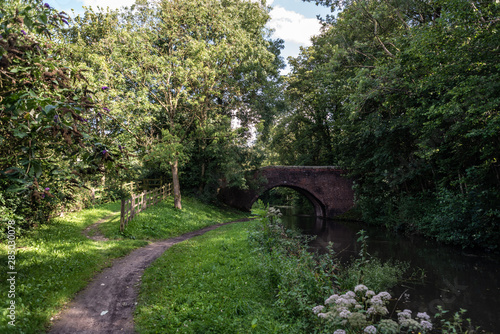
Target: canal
[{"x": 454, "y": 278}]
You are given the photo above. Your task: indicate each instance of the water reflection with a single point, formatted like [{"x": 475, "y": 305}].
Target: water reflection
[{"x": 454, "y": 278}]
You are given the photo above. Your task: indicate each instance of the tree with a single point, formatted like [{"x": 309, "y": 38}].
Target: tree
[
  {"x": 194, "y": 60},
  {"x": 416, "y": 111},
  {"x": 46, "y": 115}
]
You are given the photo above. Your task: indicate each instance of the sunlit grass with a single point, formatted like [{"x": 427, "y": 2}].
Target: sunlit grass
[
  {"x": 208, "y": 284},
  {"x": 57, "y": 260},
  {"x": 54, "y": 262},
  {"x": 162, "y": 221}
]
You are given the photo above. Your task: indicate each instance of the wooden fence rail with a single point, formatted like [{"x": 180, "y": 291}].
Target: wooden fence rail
[{"x": 132, "y": 206}]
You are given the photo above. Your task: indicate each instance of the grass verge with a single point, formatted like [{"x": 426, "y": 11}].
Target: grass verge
[
  {"x": 56, "y": 260},
  {"x": 210, "y": 284}
]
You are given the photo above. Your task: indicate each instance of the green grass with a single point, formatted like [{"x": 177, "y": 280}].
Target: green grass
[
  {"x": 209, "y": 284},
  {"x": 56, "y": 260},
  {"x": 162, "y": 221}
]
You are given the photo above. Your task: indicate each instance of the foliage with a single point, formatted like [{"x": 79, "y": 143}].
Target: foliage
[
  {"x": 47, "y": 113},
  {"x": 87, "y": 102},
  {"x": 283, "y": 196},
  {"x": 373, "y": 273},
  {"x": 456, "y": 324},
  {"x": 405, "y": 96},
  {"x": 193, "y": 66},
  {"x": 298, "y": 278},
  {"x": 370, "y": 271}
]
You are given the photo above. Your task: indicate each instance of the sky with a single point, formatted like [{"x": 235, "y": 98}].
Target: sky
[{"x": 294, "y": 21}]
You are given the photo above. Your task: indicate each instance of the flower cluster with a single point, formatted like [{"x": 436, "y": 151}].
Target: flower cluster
[
  {"x": 273, "y": 212},
  {"x": 421, "y": 322},
  {"x": 363, "y": 310}
]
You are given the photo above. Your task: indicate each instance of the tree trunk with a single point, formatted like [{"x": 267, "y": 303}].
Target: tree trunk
[
  {"x": 177, "y": 187},
  {"x": 202, "y": 182}
]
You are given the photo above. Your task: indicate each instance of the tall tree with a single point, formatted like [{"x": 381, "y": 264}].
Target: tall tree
[
  {"x": 407, "y": 79},
  {"x": 192, "y": 64}
]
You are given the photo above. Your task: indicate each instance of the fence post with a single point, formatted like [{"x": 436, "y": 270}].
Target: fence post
[
  {"x": 122, "y": 216},
  {"x": 132, "y": 207},
  {"x": 141, "y": 201}
]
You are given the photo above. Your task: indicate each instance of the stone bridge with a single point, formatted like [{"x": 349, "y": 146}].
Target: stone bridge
[{"x": 330, "y": 193}]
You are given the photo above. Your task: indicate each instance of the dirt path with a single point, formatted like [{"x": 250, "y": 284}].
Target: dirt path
[
  {"x": 92, "y": 231},
  {"x": 107, "y": 304}
]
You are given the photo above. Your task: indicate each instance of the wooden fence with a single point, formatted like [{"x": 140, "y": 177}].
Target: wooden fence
[
  {"x": 145, "y": 184},
  {"x": 132, "y": 206}
]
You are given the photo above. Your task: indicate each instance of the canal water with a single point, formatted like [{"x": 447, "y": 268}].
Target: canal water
[{"x": 454, "y": 278}]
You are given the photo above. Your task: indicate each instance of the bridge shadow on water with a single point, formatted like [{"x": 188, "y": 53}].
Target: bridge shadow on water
[{"x": 454, "y": 278}]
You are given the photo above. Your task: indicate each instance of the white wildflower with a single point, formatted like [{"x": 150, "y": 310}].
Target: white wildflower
[
  {"x": 377, "y": 310},
  {"x": 323, "y": 315},
  {"x": 370, "y": 330},
  {"x": 405, "y": 314},
  {"x": 370, "y": 293},
  {"x": 332, "y": 299},
  {"x": 339, "y": 331},
  {"x": 346, "y": 301},
  {"x": 350, "y": 294},
  {"x": 317, "y": 309},
  {"x": 345, "y": 314},
  {"x": 423, "y": 316},
  {"x": 426, "y": 324},
  {"x": 360, "y": 288},
  {"x": 376, "y": 300},
  {"x": 384, "y": 295}
]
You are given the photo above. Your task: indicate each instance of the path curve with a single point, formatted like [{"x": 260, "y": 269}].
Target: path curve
[
  {"x": 107, "y": 304},
  {"x": 92, "y": 231}
]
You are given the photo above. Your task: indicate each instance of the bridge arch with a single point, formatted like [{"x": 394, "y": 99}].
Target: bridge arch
[
  {"x": 319, "y": 207},
  {"x": 328, "y": 190}
]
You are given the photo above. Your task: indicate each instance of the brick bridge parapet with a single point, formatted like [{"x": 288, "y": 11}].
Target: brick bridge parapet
[{"x": 328, "y": 190}]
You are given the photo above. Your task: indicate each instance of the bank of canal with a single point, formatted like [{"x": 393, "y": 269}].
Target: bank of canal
[{"x": 454, "y": 278}]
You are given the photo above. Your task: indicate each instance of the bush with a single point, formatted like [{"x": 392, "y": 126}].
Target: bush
[{"x": 467, "y": 220}]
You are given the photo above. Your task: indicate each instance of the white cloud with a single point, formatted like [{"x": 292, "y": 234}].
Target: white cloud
[{"x": 292, "y": 26}]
